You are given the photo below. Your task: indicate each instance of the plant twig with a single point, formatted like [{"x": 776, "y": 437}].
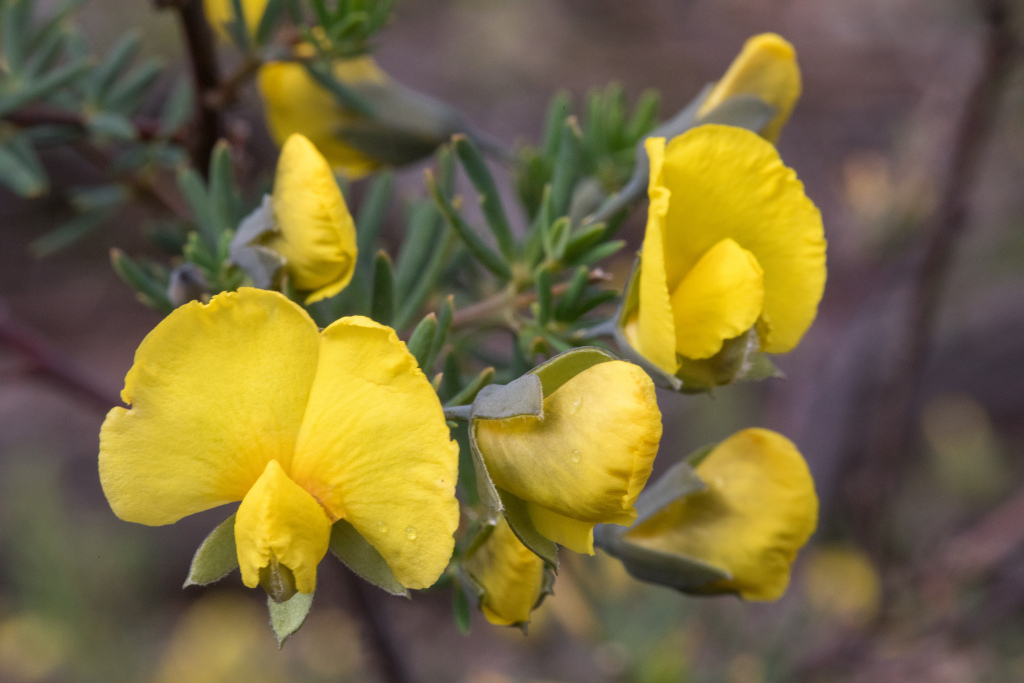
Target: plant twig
[
  {"x": 392, "y": 667},
  {"x": 42, "y": 115},
  {"x": 48, "y": 360},
  {"x": 206, "y": 76},
  {"x": 227, "y": 92}
]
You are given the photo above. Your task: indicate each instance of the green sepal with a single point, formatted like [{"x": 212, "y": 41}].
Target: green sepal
[
  {"x": 287, "y": 617},
  {"x": 518, "y": 517},
  {"x": 421, "y": 340},
  {"x": 246, "y": 251},
  {"x": 383, "y": 307},
  {"x": 523, "y": 396},
  {"x": 362, "y": 558},
  {"x": 653, "y": 566},
  {"x": 216, "y": 557},
  {"x": 486, "y": 491},
  {"x": 563, "y": 367},
  {"x": 741, "y": 111},
  {"x": 678, "y": 482}
]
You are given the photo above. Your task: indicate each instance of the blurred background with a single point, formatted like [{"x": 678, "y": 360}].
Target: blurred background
[{"x": 916, "y": 571}]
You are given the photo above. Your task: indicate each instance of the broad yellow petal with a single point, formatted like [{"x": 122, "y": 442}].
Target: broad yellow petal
[
  {"x": 279, "y": 521},
  {"x": 729, "y": 183},
  {"x": 720, "y": 298},
  {"x": 576, "y": 535},
  {"x": 216, "y": 392},
  {"x": 295, "y": 103},
  {"x": 317, "y": 235},
  {"x": 766, "y": 67},
  {"x": 655, "y": 330},
  {"x": 511, "y": 576},
  {"x": 758, "y": 510},
  {"x": 590, "y": 453},
  {"x": 374, "y": 448}
]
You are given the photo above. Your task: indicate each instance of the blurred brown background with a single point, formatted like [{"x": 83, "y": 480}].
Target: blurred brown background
[{"x": 914, "y": 574}]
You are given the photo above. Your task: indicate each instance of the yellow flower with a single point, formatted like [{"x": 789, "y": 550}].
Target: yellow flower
[
  {"x": 757, "y": 510},
  {"x": 767, "y": 68},
  {"x": 243, "y": 399},
  {"x": 510, "y": 576},
  {"x": 731, "y": 242},
  {"x": 315, "y": 232},
  {"x": 585, "y": 460},
  {"x": 405, "y": 126},
  {"x": 220, "y": 12}
]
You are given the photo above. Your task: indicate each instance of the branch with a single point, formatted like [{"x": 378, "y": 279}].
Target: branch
[
  {"x": 51, "y": 362},
  {"x": 382, "y": 642},
  {"x": 42, "y": 115},
  {"x": 206, "y": 76}
]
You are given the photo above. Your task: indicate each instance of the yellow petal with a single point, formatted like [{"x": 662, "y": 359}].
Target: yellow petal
[
  {"x": 758, "y": 510},
  {"x": 374, "y": 449},
  {"x": 766, "y": 67},
  {"x": 317, "y": 234},
  {"x": 720, "y": 298},
  {"x": 729, "y": 183},
  {"x": 511, "y": 576},
  {"x": 655, "y": 330},
  {"x": 590, "y": 454},
  {"x": 575, "y": 535},
  {"x": 295, "y": 103},
  {"x": 217, "y": 391},
  {"x": 278, "y": 520},
  {"x": 220, "y": 12}
]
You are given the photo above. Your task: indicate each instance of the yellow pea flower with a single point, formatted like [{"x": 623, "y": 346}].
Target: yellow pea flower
[
  {"x": 765, "y": 67},
  {"x": 731, "y": 242},
  {"x": 243, "y": 399},
  {"x": 315, "y": 231},
  {"x": 510, "y": 576},
  {"x": 219, "y": 12},
  {"x": 758, "y": 510},
  {"x": 406, "y": 126},
  {"x": 585, "y": 460}
]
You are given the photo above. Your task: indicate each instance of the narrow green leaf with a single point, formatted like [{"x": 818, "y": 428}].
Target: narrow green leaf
[
  {"x": 238, "y": 27},
  {"x": 223, "y": 198},
  {"x": 474, "y": 243},
  {"x": 383, "y": 307},
  {"x": 543, "y": 287},
  {"x": 287, "y": 617},
  {"x": 583, "y": 241},
  {"x": 20, "y": 169},
  {"x": 601, "y": 252},
  {"x": 71, "y": 231},
  {"x": 645, "y": 116},
  {"x": 43, "y": 86},
  {"x": 362, "y": 558},
  {"x": 490, "y": 201},
  {"x": 469, "y": 393},
  {"x": 420, "y": 235},
  {"x": 47, "y": 47},
  {"x": 150, "y": 291},
  {"x": 567, "y": 167},
  {"x": 374, "y": 208},
  {"x": 567, "y": 303},
  {"x": 194, "y": 189},
  {"x": 422, "y": 339},
  {"x": 345, "y": 95},
  {"x": 591, "y": 302},
  {"x": 111, "y": 66},
  {"x": 444, "y": 326},
  {"x": 423, "y": 288},
  {"x": 111, "y": 125},
  {"x": 558, "y": 110},
  {"x": 128, "y": 93},
  {"x": 272, "y": 14},
  {"x": 451, "y": 377},
  {"x": 460, "y": 610},
  {"x": 15, "y": 29},
  {"x": 216, "y": 556}
]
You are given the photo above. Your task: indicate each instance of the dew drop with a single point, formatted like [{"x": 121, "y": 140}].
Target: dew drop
[
  {"x": 576, "y": 455},
  {"x": 410, "y": 533},
  {"x": 382, "y": 527},
  {"x": 577, "y": 404}
]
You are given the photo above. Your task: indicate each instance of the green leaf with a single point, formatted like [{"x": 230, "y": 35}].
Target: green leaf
[
  {"x": 566, "y": 308},
  {"x": 584, "y": 239},
  {"x": 460, "y": 609},
  {"x": 176, "y": 109},
  {"x": 127, "y": 94},
  {"x": 346, "y": 96},
  {"x": 422, "y": 339},
  {"x": 469, "y": 393},
  {"x": 362, "y": 558},
  {"x": 238, "y": 27},
  {"x": 490, "y": 201},
  {"x": 15, "y": 29},
  {"x": 268, "y": 22},
  {"x": 444, "y": 326},
  {"x": 474, "y": 243},
  {"x": 71, "y": 231},
  {"x": 543, "y": 287},
  {"x": 287, "y": 617},
  {"x": 601, "y": 252},
  {"x": 223, "y": 198},
  {"x": 192, "y": 186},
  {"x": 383, "y": 307},
  {"x": 523, "y": 396},
  {"x": 151, "y": 292},
  {"x": 108, "y": 124},
  {"x": 518, "y": 517},
  {"x": 420, "y": 235},
  {"x": 563, "y": 367},
  {"x": 216, "y": 557},
  {"x": 426, "y": 283},
  {"x": 567, "y": 167},
  {"x": 19, "y": 173},
  {"x": 645, "y": 116},
  {"x": 111, "y": 66},
  {"x": 558, "y": 110},
  {"x": 43, "y": 86}
]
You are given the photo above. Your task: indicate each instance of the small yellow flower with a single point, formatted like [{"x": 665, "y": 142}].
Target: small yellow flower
[
  {"x": 767, "y": 68},
  {"x": 220, "y": 12},
  {"x": 732, "y": 242},
  {"x": 586, "y": 459},
  {"x": 315, "y": 231},
  {"x": 405, "y": 126},
  {"x": 243, "y": 399},
  {"x": 758, "y": 510},
  {"x": 510, "y": 575}
]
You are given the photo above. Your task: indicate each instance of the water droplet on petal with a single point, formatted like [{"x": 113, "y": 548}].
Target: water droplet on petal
[
  {"x": 576, "y": 455},
  {"x": 577, "y": 404},
  {"x": 410, "y": 533},
  {"x": 382, "y": 527}
]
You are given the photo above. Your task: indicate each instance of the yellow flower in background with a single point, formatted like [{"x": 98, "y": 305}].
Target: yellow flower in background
[
  {"x": 405, "y": 125},
  {"x": 220, "y": 12},
  {"x": 586, "y": 459},
  {"x": 731, "y": 242},
  {"x": 315, "y": 231},
  {"x": 243, "y": 399},
  {"x": 767, "y": 68},
  {"x": 842, "y": 583},
  {"x": 758, "y": 510},
  {"x": 510, "y": 575}
]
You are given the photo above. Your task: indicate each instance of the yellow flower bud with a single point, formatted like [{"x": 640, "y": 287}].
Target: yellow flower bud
[
  {"x": 509, "y": 576},
  {"x": 405, "y": 126},
  {"x": 585, "y": 459},
  {"x": 767, "y": 68},
  {"x": 757, "y": 510},
  {"x": 732, "y": 244}
]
